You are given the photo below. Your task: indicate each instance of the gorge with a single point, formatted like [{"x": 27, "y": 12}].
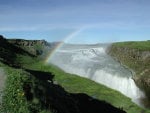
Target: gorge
[{"x": 92, "y": 61}]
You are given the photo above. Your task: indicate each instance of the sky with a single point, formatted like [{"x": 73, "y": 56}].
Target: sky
[{"x": 76, "y": 21}]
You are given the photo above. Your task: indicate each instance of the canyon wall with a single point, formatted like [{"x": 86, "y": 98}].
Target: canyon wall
[{"x": 137, "y": 58}]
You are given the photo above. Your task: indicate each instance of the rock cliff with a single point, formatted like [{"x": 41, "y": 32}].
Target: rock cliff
[
  {"x": 35, "y": 47},
  {"x": 32, "y": 46},
  {"x": 136, "y": 59},
  {"x": 9, "y": 52}
]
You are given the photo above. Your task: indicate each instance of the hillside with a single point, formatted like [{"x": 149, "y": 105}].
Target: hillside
[
  {"x": 136, "y": 56},
  {"x": 34, "y": 87}
]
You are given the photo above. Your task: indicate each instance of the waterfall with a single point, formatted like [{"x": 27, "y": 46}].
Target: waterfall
[{"x": 95, "y": 64}]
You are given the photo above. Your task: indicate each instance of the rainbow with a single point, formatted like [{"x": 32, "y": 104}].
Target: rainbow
[{"x": 59, "y": 45}]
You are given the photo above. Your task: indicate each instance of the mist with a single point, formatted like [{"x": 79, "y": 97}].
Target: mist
[{"x": 93, "y": 62}]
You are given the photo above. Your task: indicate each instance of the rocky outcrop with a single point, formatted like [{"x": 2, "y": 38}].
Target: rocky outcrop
[
  {"x": 9, "y": 52},
  {"x": 34, "y": 47},
  {"x": 22, "y": 42},
  {"x": 128, "y": 53},
  {"x": 137, "y": 60},
  {"x": 11, "y": 48}
]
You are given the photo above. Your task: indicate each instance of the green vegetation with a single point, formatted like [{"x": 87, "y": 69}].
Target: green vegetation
[
  {"x": 140, "y": 45},
  {"x": 14, "y": 100}
]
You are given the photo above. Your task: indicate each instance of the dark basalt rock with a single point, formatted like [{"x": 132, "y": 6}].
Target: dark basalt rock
[
  {"x": 22, "y": 42},
  {"x": 34, "y": 47}
]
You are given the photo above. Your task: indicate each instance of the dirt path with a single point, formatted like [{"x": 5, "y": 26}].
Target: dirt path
[{"x": 2, "y": 82}]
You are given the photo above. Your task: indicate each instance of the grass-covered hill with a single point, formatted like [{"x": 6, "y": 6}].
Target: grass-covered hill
[
  {"x": 31, "y": 86},
  {"x": 136, "y": 56}
]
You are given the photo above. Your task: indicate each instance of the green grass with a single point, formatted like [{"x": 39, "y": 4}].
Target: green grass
[
  {"x": 140, "y": 45},
  {"x": 14, "y": 100},
  {"x": 75, "y": 84}
]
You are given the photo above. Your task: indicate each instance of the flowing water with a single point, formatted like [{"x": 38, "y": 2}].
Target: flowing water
[{"x": 92, "y": 62}]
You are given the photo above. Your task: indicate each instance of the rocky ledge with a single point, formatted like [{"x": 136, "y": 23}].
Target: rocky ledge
[{"x": 22, "y": 42}]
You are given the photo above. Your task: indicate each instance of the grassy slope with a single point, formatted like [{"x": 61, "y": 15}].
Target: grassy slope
[
  {"x": 76, "y": 84},
  {"x": 14, "y": 96}
]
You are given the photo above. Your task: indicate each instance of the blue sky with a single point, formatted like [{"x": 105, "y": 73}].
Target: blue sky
[{"x": 81, "y": 21}]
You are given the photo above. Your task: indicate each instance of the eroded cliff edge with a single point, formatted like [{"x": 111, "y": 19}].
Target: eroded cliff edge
[{"x": 136, "y": 56}]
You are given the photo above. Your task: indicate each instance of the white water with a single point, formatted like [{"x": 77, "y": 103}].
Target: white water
[{"x": 93, "y": 63}]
